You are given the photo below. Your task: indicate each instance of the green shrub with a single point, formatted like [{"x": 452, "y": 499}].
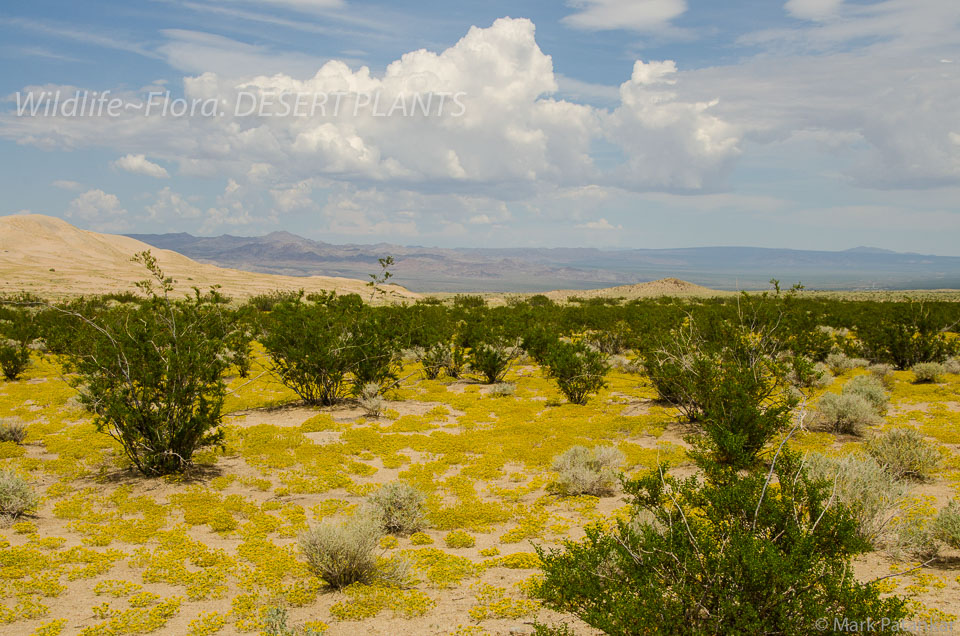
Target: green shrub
[
  {"x": 904, "y": 453},
  {"x": 18, "y": 330},
  {"x": 343, "y": 553},
  {"x": 588, "y": 471},
  {"x": 399, "y": 507},
  {"x": 848, "y": 413},
  {"x": 492, "y": 359},
  {"x": 817, "y": 375},
  {"x": 578, "y": 370},
  {"x": 16, "y": 495},
  {"x": 860, "y": 483},
  {"x": 152, "y": 373},
  {"x": 718, "y": 558},
  {"x": 434, "y": 359},
  {"x": 329, "y": 349},
  {"x": 12, "y": 429},
  {"x": 869, "y": 388},
  {"x": 928, "y": 372},
  {"x": 952, "y": 365},
  {"x": 14, "y": 359},
  {"x": 947, "y": 526},
  {"x": 908, "y": 335}
]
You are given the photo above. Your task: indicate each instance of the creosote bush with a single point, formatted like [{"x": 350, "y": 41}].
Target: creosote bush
[
  {"x": 735, "y": 556},
  {"x": 904, "y": 453},
  {"x": 588, "y": 471},
  {"x": 928, "y": 372},
  {"x": 492, "y": 359},
  {"x": 331, "y": 348},
  {"x": 16, "y": 495},
  {"x": 343, "y": 553},
  {"x": 578, "y": 370},
  {"x": 12, "y": 429},
  {"x": 152, "y": 372},
  {"x": 399, "y": 507},
  {"x": 14, "y": 358}
]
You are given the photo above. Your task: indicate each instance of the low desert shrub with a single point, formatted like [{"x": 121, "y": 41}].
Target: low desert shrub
[
  {"x": 578, "y": 370},
  {"x": 952, "y": 365},
  {"x": 434, "y": 359},
  {"x": 492, "y": 359},
  {"x": 882, "y": 372},
  {"x": 153, "y": 372},
  {"x": 947, "y": 525},
  {"x": 840, "y": 363},
  {"x": 343, "y": 553},
  {"x": 846, "y": 413},
  {"x": 14, "y": 358},
  {"x": 914, "y": 532},
  {"x": 12, "y": 429},
  {"x": 502, "y": 389},
  {"x": 928, "y": 372},
  {"x": 399, "y": 507},
  {"x": 588, "y": 471},
  {"x": 904, "y": 453},
  {"x": 860, "y": 483},
  {"x": 869, "y": 388},
  {"x": 370, "y": 399},
  {"x": 718, "y": 558},
  {"x": 18, "y": 330},
  {"x": 819, "y": 376},
  {"x": 16, "y": 495}
]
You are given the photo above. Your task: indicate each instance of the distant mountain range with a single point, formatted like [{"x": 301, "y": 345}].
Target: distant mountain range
[{"x": 427, "y": 269}]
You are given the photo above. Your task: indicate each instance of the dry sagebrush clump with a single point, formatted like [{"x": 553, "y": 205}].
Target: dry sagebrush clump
[
  {"x": 399, "y": 507},
  {"x": 869, "y": 388},
  {"x": 846, "y": 413},
  {"x": 12, "y": 429},
  {"x": 947, "y": 526},
  {"x": 346, "y": 552},
  {"x": 904, "y": 453},
  {"x": 928, "y": 372},
  {"x": 859, "y": 482},
  {"x": 840, "y": 363},
  {"x": 588, "y": 471},
  {"x": 16, "y": 495}
]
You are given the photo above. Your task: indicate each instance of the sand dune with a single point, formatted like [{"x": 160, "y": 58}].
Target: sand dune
[
  {"x": 662, "y": 287},
  {"x": 49, "y": 256}
]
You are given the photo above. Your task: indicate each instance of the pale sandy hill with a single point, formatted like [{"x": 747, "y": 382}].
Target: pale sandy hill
[
  {"x": 50, "y": 257},
  {"x": 662, "y": 287}
]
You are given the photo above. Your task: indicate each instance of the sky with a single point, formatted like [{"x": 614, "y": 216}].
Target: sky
[{"x": 806, "y": 124}]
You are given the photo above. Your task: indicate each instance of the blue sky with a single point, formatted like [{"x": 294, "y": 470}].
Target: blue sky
[{"x": 814, "y": 124}]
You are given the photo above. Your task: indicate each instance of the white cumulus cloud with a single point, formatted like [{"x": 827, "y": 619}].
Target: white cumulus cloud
[
  {"x": 139, "y": 164},
  {"x": 98, "y": 210},
  {"x": 634, "y": 15}
]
